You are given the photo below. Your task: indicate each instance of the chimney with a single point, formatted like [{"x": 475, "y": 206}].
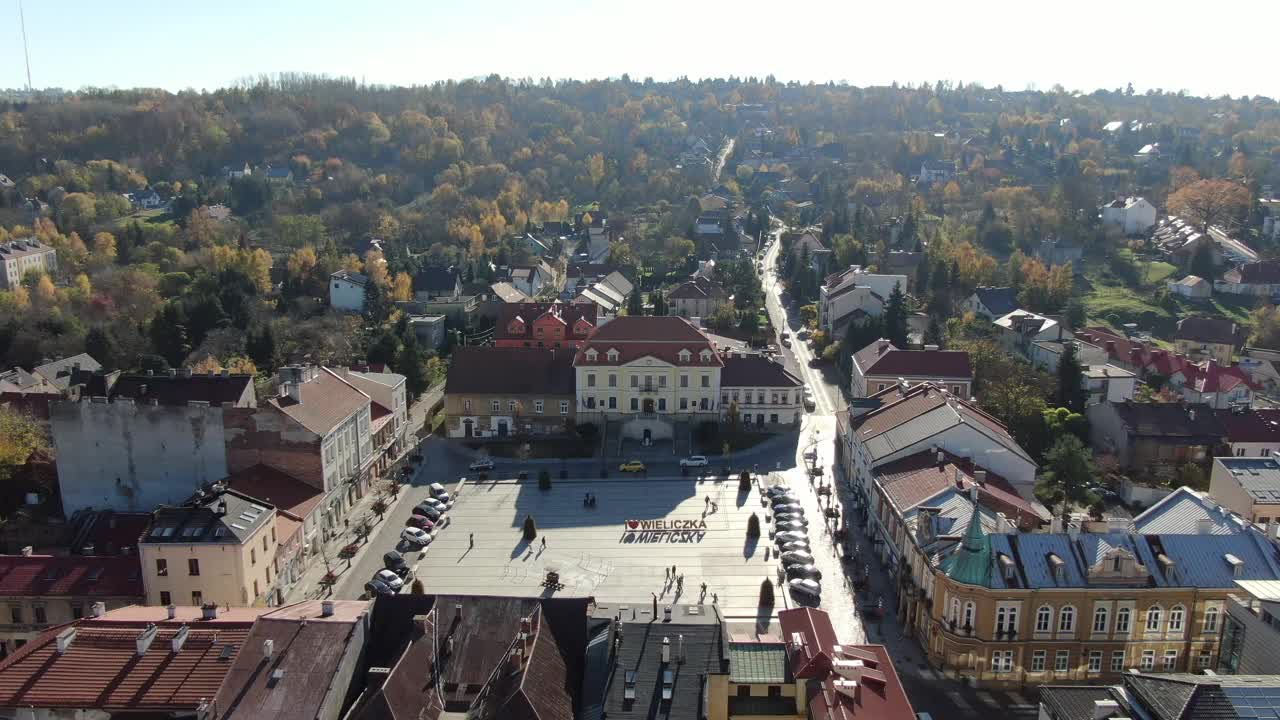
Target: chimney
[
  {"x": 143, "y": 642},
  {"x": 268, "y": 649},
  {"x": 98, "y": 609},
  {"x": 959, "y": 478},
  {"x": 172, "y": 610},
  {"x": 942, "y": 458},
  {"x": 326, "y": 608},
  {"x": 1204, "y": 526},
  {"x": 27, "y": 550},
  {"x": 151, "y": 373},
  {"x": 1103, "y": 709},
  {"x": 173, "y": 373},
  {"x": 180, "y": 638},
  {"x": 222, "y": 508},
  {"x": 65, "y": 638},
  {"x": 1271, "y": 529},
  {"x": 1191, "y": 413},
  {"x": 980, "y": 477},
  {"x": 666, "y": 650},
  {"x": 457, "y": 612},
  {"x": 680, "y": 648},
  {"x": 209, "y": 611},
  {"x": 517, "y": 656},
  {"x": 973, "y": 494},
  {"x": 666, "y": 614},
  {"x": 526, "y": 626}
]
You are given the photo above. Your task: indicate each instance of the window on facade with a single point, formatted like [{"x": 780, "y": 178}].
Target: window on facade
[
  {"x": 684, "y": 380},
  {"x": 496, "y": 406},
  {"x": 77, "y": 611},
  {"x": 466, "y": 405},
  {"x": 684, "y": 403},
  {"x": 197, "y": 598},
  {"x": 662, "y": 403},
  {"x": 1062, "y": 660},
  {"x": 193, "y": 566},
  {"x": 773, "y": 398},
  {"x": 1044, "y": 619},
  {"x": 537, "y": 406},
  {"x": 591, "y": 379},
  {"x": 662, "y": 381},
  {"x": 703, "y": 404},
  {"x": 1006, "y": 619},
  {"x": 968, "y": 615},
  {"x": 1037, "y": 661},
  {"x": 1100, "y": 620},
  {"x": 1153, "y": 618},
  {"x": 1002, "y": 661},
  {"x": 511, "y": 406},
  {"x": 162, "y": 567},
  {"x": 1148, "y": 660},
  {"x": 1067, "y": 619},
  {"x": 706, "y": 381},
  {"x": 613, "y": 403},
  {"x": 775, "y": 691},
  {"x": 1095, "y": 661},
  {"x": 635, "y": 404},
  {"x": 255, "y": 588},
  {"x": 1175, "y": 619},
  {"x": 1117, "y": 660},
  {"x": 564, "y": 407},
  {"x": 165, "y": 598},
  {"x": 613, "y": 380},
  {"x": 1211, "y": 620},
  {"x": 15, "y": 613},
  {"x": 1122, "y": 620},
  {"x": 1170, "y": 659},
  {"x": 253, "y": 557},
  {"x": 1202, "y": 661},
  {"x": 760, "y": 397},
  {"x": 635, "y": 381}
]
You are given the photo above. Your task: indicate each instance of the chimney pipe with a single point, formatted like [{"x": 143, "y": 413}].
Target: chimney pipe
[
  {"x": 326, "y": 608},
  {"x": 209, "y": 611},
  {"x": 666, "y": 650},
  {"x": 179, "y": 638},
  {"x": 98, "y": 609},
  {"x": 143, "y": 642},
  {"x": 457, "y": 612},
  {"x": 980, "y": 477},
  {"x": 65, "y": 638},
  {"x": 27, "y": 550},
  {"x": 666, "y": 614},
  {"x": 173, "y": 611},
  {"x": 268, "y": 649},
  {"x": 680, "y": 648}
]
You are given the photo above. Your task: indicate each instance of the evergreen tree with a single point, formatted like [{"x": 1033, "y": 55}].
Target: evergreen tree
[
  {"x": 169, "y": 333},
  {"x": 895, "y": 318},
  {"x": 99, "y": 344},
  {"x": 376, "y": 309},
  {"x": 934, "y": 335},
  {"x": 261, "y": 347},
  {"x": 1202, "y": 262},
  {"x": 659, "y": 303},
  {"x": 1071, "y": 392},
  {"x": 635, "y": 303},
  {"x": 922, "y": 278},
  {"x": 409, "y": 364},
  {"x": 384, "y": 350}
]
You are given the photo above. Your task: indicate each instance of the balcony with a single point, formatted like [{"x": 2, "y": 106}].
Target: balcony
[{"x": 648, "y": 388}]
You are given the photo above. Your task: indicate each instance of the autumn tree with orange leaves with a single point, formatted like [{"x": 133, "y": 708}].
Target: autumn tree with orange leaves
[{"x": 1209, "y": 202}]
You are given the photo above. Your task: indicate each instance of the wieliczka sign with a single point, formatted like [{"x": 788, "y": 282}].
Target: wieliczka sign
[{"x": 663, "y": 531}]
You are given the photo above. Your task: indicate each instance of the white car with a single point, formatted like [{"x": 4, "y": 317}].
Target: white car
[
  {"x": 392, "y": 580},
  {"x": 433, "y": 502},
  {"x": 789, "y": 535},
  {"x": 694, "y": 461},
  {"x": 797, "y": 557},
  {"x": 481, "y": 465},
  {"x": 790, "y": 525},
  {"x": 415, "y": 536},
  {"x": 437, "y": 490}
]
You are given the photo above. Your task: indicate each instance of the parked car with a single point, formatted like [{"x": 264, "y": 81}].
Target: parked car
[
  {"x": 788, "y": 507},
  {"x": 439, "y": 491},
  {"x": 778, "y": 490},
  {"x": 809, "y": 403},
  {"x": 788, "y": 535},
  {"x": 631, "y": 466},
  {"x": 432, "y": 502},
  {"x": 373, "y": 588},
  {"x": 808, "y": 571},
  {"x": 431, "y": 513},
  {"x": 806, "y": 591},
  {"x": 390, "y": 579},
  {"x": 394, "y": 562},
  {"x": 481, "y": 465},
  {"x": 420, "y": 521},
  {"x": 790, "y": 517},
  {"x": 416, "y": 536},
  {"x": 787, "y": 525},
  {"x": 786, "y": 341},
  {"x": 694, "y": 461},
  {"x": 795, "y": 546},
  {"x": 797, "y": 557}
]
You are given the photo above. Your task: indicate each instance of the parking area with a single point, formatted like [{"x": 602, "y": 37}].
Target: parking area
[{"x": 620, "y": 549}]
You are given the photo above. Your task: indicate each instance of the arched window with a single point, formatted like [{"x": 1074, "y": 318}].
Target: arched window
[
  {"x": 1176, "y": 616},
  {"x": 968, "y": 614},
  {"x": 1100, "y": 620},
  {"x": 1154, "y": 614},
  {"x": 1044, "y": 619},
  {"x": 1211, "y": 620},
  {"x": 955, "y": 610},
  {"x": 1122, "y": 620},
  {"x": 1067, "y": 619}
]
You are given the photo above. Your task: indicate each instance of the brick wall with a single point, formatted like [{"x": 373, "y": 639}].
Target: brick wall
[{"x": 267, "y": 436}]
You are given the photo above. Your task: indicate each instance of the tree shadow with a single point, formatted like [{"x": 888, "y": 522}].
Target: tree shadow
[
  {"x": 520, "y": 548},
  {"x": 742, "y": 496},
  {"x": 749, "y": 547},
  {"x": 764, "y": 618}
]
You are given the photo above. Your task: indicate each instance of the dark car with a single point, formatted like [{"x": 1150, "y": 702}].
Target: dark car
[
  {"x": 420, "y": 521},
  {"x": 394, "y": 562},
  {"x": 431, "y": 513},
  {"x": 809, "y": 571},
  {"x": 373, "y": 588}
]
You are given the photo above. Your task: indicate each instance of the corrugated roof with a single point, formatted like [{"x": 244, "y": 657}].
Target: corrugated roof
[
  {"x": 1258, "y": 476},
  {"x": 1180, "y": 513},
  {"x": 762, "y": 663}
]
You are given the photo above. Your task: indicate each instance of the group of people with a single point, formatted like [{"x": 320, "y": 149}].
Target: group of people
[{"x": 588, "y": 500}]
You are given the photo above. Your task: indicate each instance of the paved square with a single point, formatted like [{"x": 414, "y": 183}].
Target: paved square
[{"x": 618, "y": 551}]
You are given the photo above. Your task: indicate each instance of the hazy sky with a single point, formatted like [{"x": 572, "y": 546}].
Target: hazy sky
[{"x": 1226, "y": 46}]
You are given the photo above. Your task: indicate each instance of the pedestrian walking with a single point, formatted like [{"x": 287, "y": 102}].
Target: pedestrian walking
[
  {"x": 473, "y": 539},
  {"x": 708, "y": 502},
  {"x": 666, "y": 573},
  {"x": 673, "y": 571},
  {"x": 544, "y": 542}
]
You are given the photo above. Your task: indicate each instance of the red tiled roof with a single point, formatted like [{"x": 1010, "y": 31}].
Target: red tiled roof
[
  {"x": 277, "y": 488},
  {"x": 1204, "y": 377},
  {"x": 326, "y": 401},
  {"x": 635, "y": 336},
  {"x": 1209, "y": 377},
  {"x": 510, "y": 371},
  {"x": 71, "y": 576},
  {"x": 698, "y": 289},
  {"x": 566, "y": 313},
  {"x": 756, "y": 371},
  {"x": 1266, "y": 271},
  {"x": 812, "y": 657},
  {"x": 916, "y": 478},
  {"x": 866, "y": 357},
  {"x": 102, "y": 670},
  {"x": 922, "y": 363},
  {"x": 1250, "y": 425}
]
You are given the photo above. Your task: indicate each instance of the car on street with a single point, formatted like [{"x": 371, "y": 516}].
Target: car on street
[
  {"x": 805, "y": 590},
  {"x": 809, "y": 403},
  {"x": 439, "y": 491},
  {"x": 373, "y": 588},
  {"x": 808, "y": 571},
  {"x": 795, "y": 546},
  {"x": 432, "y": 502},
  {"x": 415, "y": 536},
  {"x": 394, "y": 562},
  {"x": 481, "y": 465},
  {"x": 390, "y": 579},
  {"x": 631, "y": 466},
  {"x": 797, "y": 557},
  {"x": 789, "y": 506},
  {"x": 788, "y": 525},
  {"x": 802, "y": 333},
  {"x": 786, "y": 341},
  {"x": 431, "y": 513},
  {"x": 790, "y": 517},
  {"x": 778, "y": 490},
  {"x": 694, "y": 461},
  {"x": 788, "y": 535},
  {"x": 420, "y": 521}
]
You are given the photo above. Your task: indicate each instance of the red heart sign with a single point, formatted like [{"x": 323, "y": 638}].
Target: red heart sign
[{"x": 633, "y": 524}]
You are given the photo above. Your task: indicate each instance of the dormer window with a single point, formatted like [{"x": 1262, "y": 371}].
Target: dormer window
[
  {"x": 685, "y": 355},
  {"x": 705, "y": 355},
  {"x": 591, "y": 354},
  {"x": 612, "y": 355}
]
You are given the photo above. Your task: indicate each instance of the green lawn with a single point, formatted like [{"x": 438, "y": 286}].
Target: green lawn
[{"x": 1159, "y": 271}]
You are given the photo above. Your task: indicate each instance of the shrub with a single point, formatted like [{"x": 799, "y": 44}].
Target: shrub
[
  {"x": 417, "y": 588},
  {"x": 530, "y": 528},
  {"x": 348, "y": 552},
  {"x": 766, "y": 594},
  {"x": 544, "y": 480},
  {"x": 753, "y": 526}
]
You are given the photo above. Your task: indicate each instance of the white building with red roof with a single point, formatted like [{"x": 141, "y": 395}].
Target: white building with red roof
[{"x": 649, "y": 373}]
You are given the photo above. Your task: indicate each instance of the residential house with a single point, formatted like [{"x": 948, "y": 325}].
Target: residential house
[
  {"x": 1182, "y": 241},
  {"x": 808, "y": 241},
  {"x": 485, "y": 396},
  {"x": 22, "y": 256},
  {"x": 1047, "y": 354},
  {"x": 608, "y": 295},
  {"x": 1165, "y": 696},
  {"x": 388, "y": 412},
  {"x": 1130, "y": 215},
  {"x": 1263, "y": 367},
  {"x": 905, "y": 263},
  {"x": 544, "y": 324},
  {"x": 317, "y": 429},
  {"x": 220, "y": 548},
  {"x": 880, "y": 365},
  {"x": 853, "y": 295},
  {"x": 147, "y": 198},
  {"x": 1053, "y": 251},
  {"x": 507, "y": 293},
  {"x": 530, "y": 279},
  {"x": 1248, "y": 486},
  {"x": 434, "y": 283},
  {"x": 45, "y": 591},
  {"x": 902, "y": 421},
  {"x": 299, "y": 525},
  {"x": 1251, "y": 632},
  {"x": 710, "y": 225},
  {"x": 1108, "y": 384},
  {"x": 429, "y": 329},
  {"x": 236, "y": 171},
  {"x": 1215, "y": 385},
  {"x": 992, "y": 302},
  {"x": 1251, "y": 432},
  {"x": 1147, "y": 435},
  {"x": 216, "y": 213},
  {"x": 278, "y": 175},
  {"x": 1019, "y": 330},
  {"x": 556, "y": 229},
  {"x": 1259, "y": 279},
  {"x": 765, "y": 394},
  {"x": 1148, "y": 153},
  {"x": 599, "y": 237},
  {"x": 346, "y": 290},
  {"x": 697, "y": 298},
  {"x": 82, "y": 670},
  {"x": 649, "y": 373},
  {"x": 1191, "y": 287},
  {"x": 1205, "y": 337},
  {"x": 932, "y": 171},
  {"x": 61, "y": 373}
]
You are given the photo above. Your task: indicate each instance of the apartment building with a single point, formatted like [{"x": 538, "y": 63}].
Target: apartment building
[{"x": 19, "y": 257}]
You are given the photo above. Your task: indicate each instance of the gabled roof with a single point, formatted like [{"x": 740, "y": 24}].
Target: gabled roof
[
  {"x": 947, "y": 364},
  {"x": 1181, "y": 513},
  {"x": 352, "y": 277},
  {"x": 641, "y": 653},
  {"x": 1185, "y": 696},
  {"x": 510, "y": 371},
  {"x": 635, "y": 336},
  {"x": 998, "y": 300},
  {"x": 1264, "y": 272},
  {"x": 1250, "y": 425},
  {"x": 756, "y": 371},
  {"x": 327, "y": 400},
  {"x": 1207, "y": 330},
  {"x": 58, "y": 373},
  {"x": 867, "y": 356},
  {"x": 79, "y": 576},
  {"x": 698, "y": 289},
  {"x": 436, "y": 280},
  {"x": 219, "y": 518},
  {"x": 1169, "y": 420},
  {"x": 916, "y": 480},
  {"x": 507, "y": 293},
  {"x": 276, "y": 488},
  {"x": 1076, "y": 702},
  {"x": 569, "y": 314}
]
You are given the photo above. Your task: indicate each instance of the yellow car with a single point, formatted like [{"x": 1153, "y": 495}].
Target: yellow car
[{"x": 631, "y": 466}]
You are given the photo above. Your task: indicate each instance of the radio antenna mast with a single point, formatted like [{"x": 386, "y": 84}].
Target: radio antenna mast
[{"x": 22, "y": 20}]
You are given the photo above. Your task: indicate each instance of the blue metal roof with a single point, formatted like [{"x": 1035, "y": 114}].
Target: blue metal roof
[{"x": 1200, "y": 560}]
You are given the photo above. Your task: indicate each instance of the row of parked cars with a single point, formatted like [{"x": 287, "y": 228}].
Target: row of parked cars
[
  {"x": 420, "y": 529},
  {"x": 791, "y": 533}
]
